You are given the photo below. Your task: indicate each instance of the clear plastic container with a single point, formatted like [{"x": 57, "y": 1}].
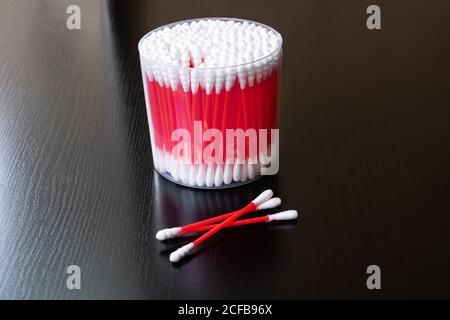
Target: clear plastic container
[{"x": 213, "y": 127}]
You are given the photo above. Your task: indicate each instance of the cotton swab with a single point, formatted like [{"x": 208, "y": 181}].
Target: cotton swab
[
  {"x": 281, "y": 216},
  {"x": 176, "y": 231},
  {"x": 178, "y": 254}
]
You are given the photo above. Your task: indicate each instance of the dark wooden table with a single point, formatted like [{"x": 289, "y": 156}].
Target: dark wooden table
[{"x": 365, "y": 155}]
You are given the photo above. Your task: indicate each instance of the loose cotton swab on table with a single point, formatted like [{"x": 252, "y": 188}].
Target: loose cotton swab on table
[
  {"x": 280, "y": 216},
  {"x": 221, "y": 72}
]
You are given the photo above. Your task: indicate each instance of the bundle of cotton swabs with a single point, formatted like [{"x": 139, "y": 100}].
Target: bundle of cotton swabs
[{"x": 224, "y": 73}]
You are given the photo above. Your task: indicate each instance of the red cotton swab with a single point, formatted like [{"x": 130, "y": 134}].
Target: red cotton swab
[
  {"x": 193, "y": 227},
  {"x": 281, "y": 216},
  {"x": 178, "y": 254}
]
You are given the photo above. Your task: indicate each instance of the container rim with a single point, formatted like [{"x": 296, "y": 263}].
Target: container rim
[{"x": 142, "y": 55}]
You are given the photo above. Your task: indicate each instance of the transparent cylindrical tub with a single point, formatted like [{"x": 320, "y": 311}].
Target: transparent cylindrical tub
[{"x": 213, "y": 127}]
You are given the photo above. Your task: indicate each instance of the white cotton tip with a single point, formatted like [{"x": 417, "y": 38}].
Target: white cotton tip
[
  {"x": 229, "y": 79},
  {"x": 192, "y": 175},
  {"x": 218, "y": 177},
  {"x": 169, "y": 159},
  {"x": 165, "y": 73},
  {"x": 263, "y": 197},
  {"x": 209, "y": 176},
  {"x": 149, "y": 72},
  {"x": 201, "y": 175},
  {"x": 179, "y": 254},
  {"x": 237, "y": 172},
  {"x": 175, "y": 170},
  {"x": 241, "y": 76},
  {"x": 270, "y": 204},
  {"x": 169, "y": 165},
  {"x": 220, "y": 79},
  {"x": 158, "y": 73},
  {"x": 195, "y": 81},
  {"x": 184, "y": 173},
  {"x": 184, "y": 78},
  {"x": 244, "y": 172},
  {"x": 251, "y": 171},
  {"x": 173, "y": 77},
  {"x": 228, "y": 173},
  {"x": 209, "y": 80},
  {"x": 168, "y": 233},
  {"x": 258, "y": 71},
  {"x": 285, "y": 215},
  {"x": 264, "y": 68},
  {"x": 257, "y": 169},
  {"x": 156, "y": 161},
  {"x": 162, "y": 162}
]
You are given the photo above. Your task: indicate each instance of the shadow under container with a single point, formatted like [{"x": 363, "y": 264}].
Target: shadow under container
[{"x": 213, "y": 128}]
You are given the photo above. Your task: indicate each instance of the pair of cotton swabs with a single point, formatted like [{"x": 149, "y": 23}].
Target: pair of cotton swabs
[{"x": 262, "y": 202}]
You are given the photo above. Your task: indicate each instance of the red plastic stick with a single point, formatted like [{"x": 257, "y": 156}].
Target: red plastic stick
[
  {"x": 248, "y": 208},
  {"x": 194, "y": 226}
]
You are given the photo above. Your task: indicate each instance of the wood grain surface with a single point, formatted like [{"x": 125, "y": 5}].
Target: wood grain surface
[{"x": 365, "y": 152}]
